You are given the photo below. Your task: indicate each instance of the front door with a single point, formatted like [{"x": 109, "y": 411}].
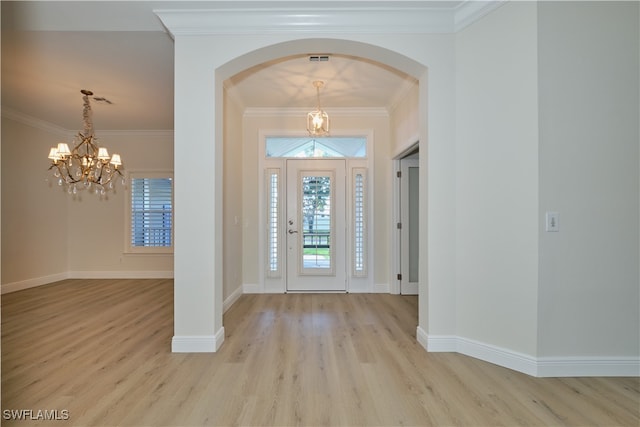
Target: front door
[{"x": 316, "y": 225}]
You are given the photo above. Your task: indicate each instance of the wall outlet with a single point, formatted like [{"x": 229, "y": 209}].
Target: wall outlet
[{"x": 552, "y": 221}]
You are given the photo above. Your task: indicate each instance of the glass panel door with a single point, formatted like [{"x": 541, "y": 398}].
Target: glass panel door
[{"x": 316, "y": 225}]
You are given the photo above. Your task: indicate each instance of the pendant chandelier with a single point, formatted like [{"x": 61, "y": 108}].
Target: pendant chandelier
[
  {"x": 318, "y": 120},
  {"x": 86, "y": 165}
]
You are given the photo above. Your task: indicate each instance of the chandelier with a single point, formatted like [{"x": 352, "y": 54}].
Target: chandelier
[
  {"x": 318, "y": 120},
  {"x": 86, "y": 165}
]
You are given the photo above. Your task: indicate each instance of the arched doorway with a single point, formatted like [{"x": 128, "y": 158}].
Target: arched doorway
[
  {"x": 280, "y": 271},
  {"x": 203, "y": 62}
]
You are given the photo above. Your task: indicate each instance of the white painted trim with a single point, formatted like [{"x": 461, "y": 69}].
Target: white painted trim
[
  {"x": 440, "y": 343},
  {"x": 121, "y": 274},
  {"x": 197, "y": 343},
  {"x": 36, "y": 123},
  {"x": 231, "y": 299},
  {"x": 539, "y": 367},
  {"x": 302, "y": 112},
  {"x": 410, "y": 145},
  {"x": 33, "y": 122},
  {"x": 471, "y": 11},
  {"x": 489, "y": 353},
  {"x": 422, "y": 337},
  {"x": 45, "y": 280},
  {"x": 252, "y": 288},
  {"x": 497, "y": 355},
  {"x": 32, "y": 283},
  {"x": 358, "y": 20},
  {"x": 380, "y": 288},
  {"x": 139, "y": 133},
  {"x": 589, "y": 367}
]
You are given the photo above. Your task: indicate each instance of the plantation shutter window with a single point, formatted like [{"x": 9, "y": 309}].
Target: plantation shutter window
[{"x": 151, "y": 210}]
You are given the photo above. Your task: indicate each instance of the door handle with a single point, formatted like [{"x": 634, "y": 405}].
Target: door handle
[{"x": 292, "y": 231}]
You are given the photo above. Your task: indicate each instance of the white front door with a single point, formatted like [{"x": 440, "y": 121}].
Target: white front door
[{"x": 316, "y": 225}]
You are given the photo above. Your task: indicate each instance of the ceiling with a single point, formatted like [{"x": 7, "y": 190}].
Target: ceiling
[{"x": 120, "y": 50}]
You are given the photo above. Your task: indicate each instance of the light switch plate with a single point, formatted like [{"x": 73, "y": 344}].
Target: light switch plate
[{"x": 552, "y": 221}]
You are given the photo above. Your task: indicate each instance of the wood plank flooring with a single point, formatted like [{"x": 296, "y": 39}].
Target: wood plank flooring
[{"x": 100, "y": 349}]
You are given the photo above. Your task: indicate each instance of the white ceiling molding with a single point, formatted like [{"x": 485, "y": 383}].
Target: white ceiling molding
[
  {"x": 470, "y": 11},
  {"x": 136, "y": 133},
  {"x": 61, "y": 132},
  {"x": 352, "y": 17},
  {"x": 302, "y": 112},
  {"x": 33, "y": 122},
  {"x": 320, "y": 21}
]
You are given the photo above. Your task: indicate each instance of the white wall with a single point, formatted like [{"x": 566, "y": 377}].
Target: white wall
[
  {"x": 233, "y": 215},
  {"x": 49, "y": 235},
  {"x": 96, "y": 231},
  {"x": 497, "y": 179},
  {"x": 34, "y": 211},
  {"x": 589, "y": 115},
  {"x": 405, "y": 125}
]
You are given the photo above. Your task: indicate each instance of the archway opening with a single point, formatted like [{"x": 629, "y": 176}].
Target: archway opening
[{"x": 241, "y": 69}]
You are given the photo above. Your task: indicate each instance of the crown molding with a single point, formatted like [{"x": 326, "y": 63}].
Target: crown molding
[
  {"x": 302, "y": 112},
  {"x": 351, "y": 17},
  {"x": 471, "y": 11},
  {"x": 33, "y": 122},
  {"x": 150, "y": 133}
]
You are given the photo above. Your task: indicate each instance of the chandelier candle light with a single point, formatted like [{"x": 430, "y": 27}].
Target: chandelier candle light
[
  {"x": 87, "y": 164},
  {"x": 318, "y": 120}
]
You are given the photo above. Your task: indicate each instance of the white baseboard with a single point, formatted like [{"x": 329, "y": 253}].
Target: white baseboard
[
  {"x": 168, "y": 274},
  {"x": 251, "y": 288},
  {"x": 197, "y": 343},
  {"x": 32, "y": 283},
  {"x": 231, "y": 299},
  {"x": 537, "y": 367},
  {"x": 589, "y": 367},
  {"x": 381, "y": 288},
  {"x": 45, "y": 280},
  {"x": 423, "y": 338},
  {"x": 497, "y": 355}
]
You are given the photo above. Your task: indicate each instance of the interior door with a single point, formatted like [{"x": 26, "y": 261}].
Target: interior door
[
  {"x": 316, "y": 224},
  {"x": 409, "y": 233}
]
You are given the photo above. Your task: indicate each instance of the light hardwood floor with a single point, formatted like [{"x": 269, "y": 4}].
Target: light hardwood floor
[{"x": 100, "y": 349}]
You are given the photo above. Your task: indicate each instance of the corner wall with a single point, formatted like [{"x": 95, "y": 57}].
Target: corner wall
[
  {"x": 589, "y": 172},
  {"x": 49, "y": 235},
  {"x": 497, "y": 182},
  {"x": 99, "y": 224}
]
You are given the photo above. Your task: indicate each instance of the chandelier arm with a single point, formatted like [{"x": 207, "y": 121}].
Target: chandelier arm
[{"x": 111, "y": 176}]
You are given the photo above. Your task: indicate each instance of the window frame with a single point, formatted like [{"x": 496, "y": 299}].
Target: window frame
[{"x": 128, "y": 246}]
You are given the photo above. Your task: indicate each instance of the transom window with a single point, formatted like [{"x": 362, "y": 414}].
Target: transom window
[{"x": 308, "y": 147}]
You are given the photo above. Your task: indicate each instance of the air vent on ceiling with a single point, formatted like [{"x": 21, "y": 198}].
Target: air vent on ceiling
[{"x": 318, "y": 58}]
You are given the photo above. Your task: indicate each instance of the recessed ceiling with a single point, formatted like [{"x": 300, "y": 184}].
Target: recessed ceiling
[{"x": 348, "y": 82}]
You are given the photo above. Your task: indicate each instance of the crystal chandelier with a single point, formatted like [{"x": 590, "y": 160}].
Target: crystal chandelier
[
  {"x": 318, "y": 120},
  {"x": 86, "y": 165}
]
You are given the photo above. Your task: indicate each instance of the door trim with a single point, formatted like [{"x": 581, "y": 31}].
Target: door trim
[{"x": 268, "y": 283}]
